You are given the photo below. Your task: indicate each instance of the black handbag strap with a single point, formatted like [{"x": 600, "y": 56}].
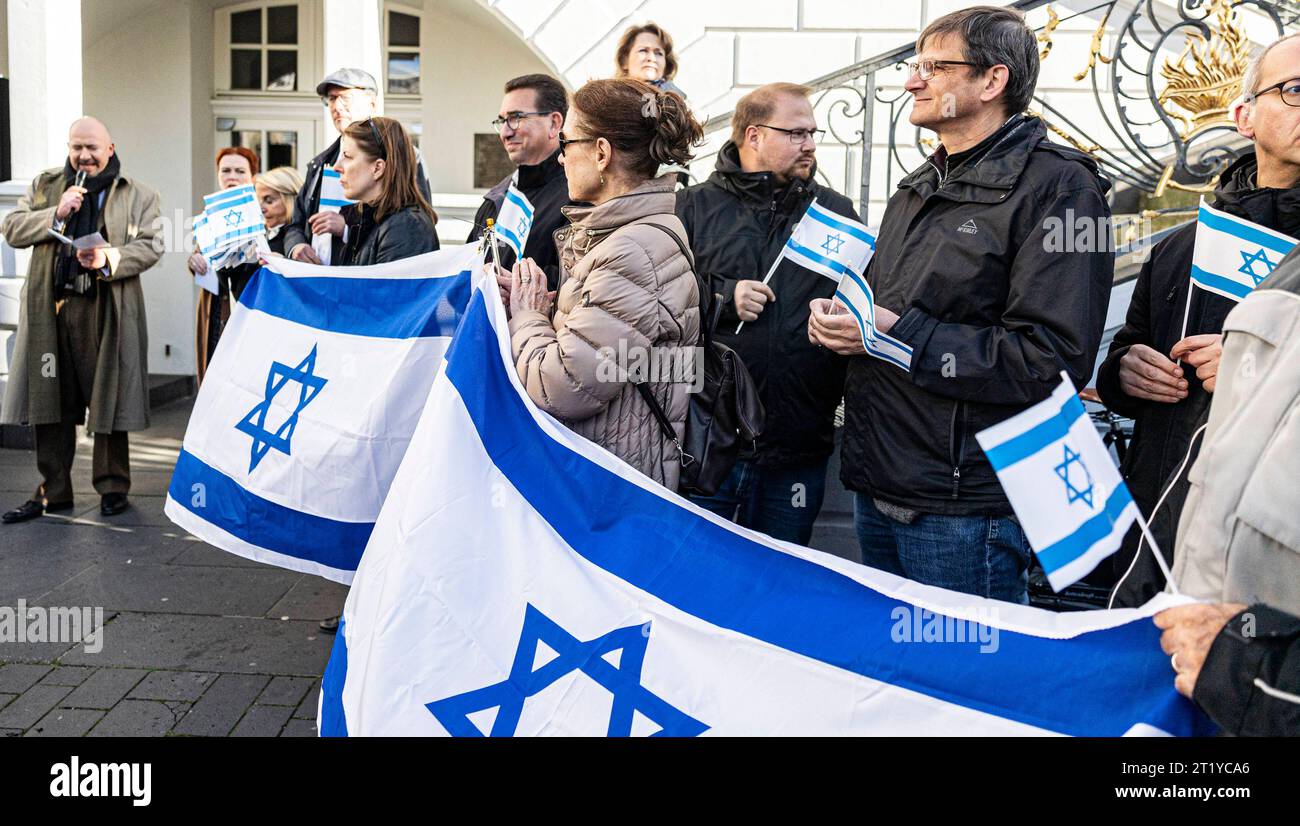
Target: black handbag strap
[
  {"x": 710, "y": 314},
  {"x": 665, "y": 426}
]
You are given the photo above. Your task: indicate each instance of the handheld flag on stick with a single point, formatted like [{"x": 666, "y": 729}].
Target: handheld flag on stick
[
  {"x": 1067, "y": 493},
  {"x": 515, "y": 220},
  {"x": 230, "y": 231},
  {"x": 332, "y": 199}
]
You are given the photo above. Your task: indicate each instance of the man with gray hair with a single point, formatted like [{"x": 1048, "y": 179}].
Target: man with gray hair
[
  {"x": 967, "y": 272},
  {"x": 1164, "y": 377}
]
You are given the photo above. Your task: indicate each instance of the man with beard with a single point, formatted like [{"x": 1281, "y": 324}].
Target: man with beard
[
  {"x": 738, "y": 221},
  {"x": 82, "y": 340},
  {"x": 1164, "y": 379}
]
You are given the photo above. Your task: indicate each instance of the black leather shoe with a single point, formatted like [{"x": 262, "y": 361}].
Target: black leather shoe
[
  {"x": 27, "y": 510},
  {"x": 111, "y": 504},
  {"x": 330, "y": 626}
]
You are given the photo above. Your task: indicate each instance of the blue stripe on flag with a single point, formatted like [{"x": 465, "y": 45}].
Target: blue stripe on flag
[
  {"x": 1244, "y": 231},
  {"x": 218, "y": 204},
  {"x": 830, "y": 219},
  {"x": 264, "y": 523},
  {"x": 1218, "y": 283},
  {"x": 510, "y": 238},
  {"x": 375, "y": 307},
  {"x": 878, "y": 353},
  {"x": 1098, "y": 683},
  {"x": 333, "y": 720},
  {"x": 829, "y": 263},
  {"x": 334, "y": 202},
  {"x": 1037, "y": 437},
  {"x": 523, "y": 207},
  {"x": 1066, "y": 550}
]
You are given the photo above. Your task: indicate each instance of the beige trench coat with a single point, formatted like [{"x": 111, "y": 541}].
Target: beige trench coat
[{"x": 120, "y": 396}]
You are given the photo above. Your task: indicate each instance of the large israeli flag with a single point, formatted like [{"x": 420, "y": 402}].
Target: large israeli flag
[
  {"x": 1232, "y": 255},
  {"x": 1067, "y": 493},
  {"x": 515, "y": 220},
  {"x": 306, "y": 410},
  {"x": 522, "y": 581}
]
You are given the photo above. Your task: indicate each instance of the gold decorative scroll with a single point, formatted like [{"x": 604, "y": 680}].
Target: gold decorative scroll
[
  {"x": 1045, "y": 36},
  {"x": 1198, "y": 95},
  {"x": 1094, "y": 51}
]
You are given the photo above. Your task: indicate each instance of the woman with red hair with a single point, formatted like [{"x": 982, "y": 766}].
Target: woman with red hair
[{"x": 236, "y": 166}]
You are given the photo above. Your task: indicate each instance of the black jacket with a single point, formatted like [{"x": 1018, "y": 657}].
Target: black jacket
[
  {"x": 738, "y": 222},
  {"x": 307, "y": 202},
  {"x": 405, "y": 233},
  {"x": 993, "y": 308},
  {"x": 547, "y": 189},
  {"x": 1258, "y": 648},
  {"x": 1162, "y": 432}
]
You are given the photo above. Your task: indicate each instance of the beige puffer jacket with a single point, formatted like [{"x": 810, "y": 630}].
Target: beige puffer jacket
[{"x": 626, "y": 293}]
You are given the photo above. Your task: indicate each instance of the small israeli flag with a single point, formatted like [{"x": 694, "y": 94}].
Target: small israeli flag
[
  {"x": 515, "y": 220},
  {"x": 1067, "y": 493},
  {"x": 230, "y": 231},
  {"x": 1232, "y": 255},
  {"x": 332, "y": 199}
]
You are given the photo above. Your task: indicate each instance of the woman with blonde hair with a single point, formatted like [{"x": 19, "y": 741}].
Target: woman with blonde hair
[{"x": 276, "y": 190}]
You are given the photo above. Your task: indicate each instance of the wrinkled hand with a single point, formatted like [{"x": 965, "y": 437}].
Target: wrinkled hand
[
  {"x": 330, "y": 223},
  {"x": 528, "y": 288},
  {"x": 197, "y": 264},
  {"x": 95, "y": 259},
  {"x": 505, "y": 281},
  {"x": 70, "y": 202},
  {"x": 305, "y": 254},
  {"x": 1146, "y": 374},
  {"x": 831, "y": 326},
  {"x": 1202, "y": 352},
  {"x": 750, "y": 299},
  {"x": 1189, "y": 631}
]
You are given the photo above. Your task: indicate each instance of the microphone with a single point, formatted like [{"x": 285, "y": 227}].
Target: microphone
[{"x": 79, "y": 181}]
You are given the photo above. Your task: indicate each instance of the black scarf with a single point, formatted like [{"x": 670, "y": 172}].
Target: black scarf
[{"x": 82, "y": 222}]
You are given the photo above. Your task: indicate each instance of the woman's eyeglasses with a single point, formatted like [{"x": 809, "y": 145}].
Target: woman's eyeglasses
[{"x": 564, "y": 142}]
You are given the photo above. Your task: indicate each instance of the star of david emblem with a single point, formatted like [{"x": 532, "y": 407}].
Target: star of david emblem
[
  {"x": 833, "y": 244},
  {"x": 522, "y": 229},
  {"x": 1249, "y": 262},
  {"x": 1078, "y": 483},
  {"x": 613, "y": 661},
  {"x": 254, "y": 424},
  {"x": 233, "y": 217}
]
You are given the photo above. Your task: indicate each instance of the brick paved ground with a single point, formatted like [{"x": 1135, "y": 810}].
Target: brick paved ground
[{"x": 196, "y": 641}]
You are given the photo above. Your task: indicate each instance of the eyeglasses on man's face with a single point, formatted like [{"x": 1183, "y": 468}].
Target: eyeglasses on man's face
[
  {"x": 514, "y": 119},
  {"x": 343, "y": 96},
  {"x": 927, "y": 69},
  {"x": 1289, "y": 90},
  {"x": 797, "y": 136}
]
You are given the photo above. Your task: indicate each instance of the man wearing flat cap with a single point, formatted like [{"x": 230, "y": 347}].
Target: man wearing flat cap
[{"x": 350, "y": 95}]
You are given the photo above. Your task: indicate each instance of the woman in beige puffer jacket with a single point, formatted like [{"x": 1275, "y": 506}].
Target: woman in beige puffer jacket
[{"x": 627, "y": 297}]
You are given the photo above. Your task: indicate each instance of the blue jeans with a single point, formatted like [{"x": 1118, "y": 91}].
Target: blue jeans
[
  {"x": 781, "y": 503},
  {"x": 987, "y": 556}
]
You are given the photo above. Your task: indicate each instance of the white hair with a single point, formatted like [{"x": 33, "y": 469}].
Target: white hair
[{"x": 1251, "y": 79}]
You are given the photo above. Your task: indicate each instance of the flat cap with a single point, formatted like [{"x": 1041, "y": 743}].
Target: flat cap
[{"x": 348, "y": 79}]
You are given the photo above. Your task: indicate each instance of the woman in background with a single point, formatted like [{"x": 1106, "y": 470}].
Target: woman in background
[
  {"x": 276, "y": 190},
  {"x": 645, "y": 52}
]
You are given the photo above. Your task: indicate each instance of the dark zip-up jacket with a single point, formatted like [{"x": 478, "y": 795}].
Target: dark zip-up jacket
[
  {"x": 405, "y": 233},
  {"x": 547, "y": 189},
  {"x": 307, "y": 202},
  {"x": 738, "y": 222},
  {"x": 974, "y": 260},
  {"x": 1162, "y": 432}
]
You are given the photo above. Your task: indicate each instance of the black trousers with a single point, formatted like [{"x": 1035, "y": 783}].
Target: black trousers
[{"x": 77, "y": 319}]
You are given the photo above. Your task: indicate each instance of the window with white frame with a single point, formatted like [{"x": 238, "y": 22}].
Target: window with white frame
[
  {"x": 401, "y": 51},
  {"x": 263, "y": 46}
]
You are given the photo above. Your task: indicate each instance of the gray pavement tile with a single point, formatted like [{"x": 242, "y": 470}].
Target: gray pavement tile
[
  {"x": 307, "y": 708},
  {"x": 202, "y": 555},
  {"x": 31, "y": 706},
  {"x": 285, "y": 691},
  {"x": 200, "y": 643},
  {"x": 72, "y": 675},
  {"x": 15, "y": 678},
  {"x": 66, "y": 722},
  {"x": 144, "y": 511},
  {"x": 311, "y": 598},
  {"x": 222, "y": 705},
  {"x": 104, "y": 689},
  {"x": 11, "y": 732},
  {"x": 262, "y": 721},
  {"x": 35, "y": 652},
  {"x": 138, "y": 718},
  {"x": 35, "y": 560},
  {"x": 5, "y": 699},
  {"x": 299, "y": 728},
  {"x": 173, "y": 685},
  {"x": 175, "y": 589},
  {"x": 58, "y": 541},
  {"x": 143, "y": 482}
]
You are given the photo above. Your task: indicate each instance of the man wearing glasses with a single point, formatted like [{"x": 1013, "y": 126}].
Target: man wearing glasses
[
  {"x": 1142, "y": 377},
  {"x": 529, "y": 123},
  {"x": 738, "y": 221},
  {"x": 967, "y": 274},
  {"x": 350, "y": 95}
]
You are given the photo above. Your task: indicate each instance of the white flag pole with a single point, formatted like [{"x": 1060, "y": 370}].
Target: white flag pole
[
  {"x": 771, "y": 270},
  {"x": 1155, "y": 549},
  {"x": 1187, "y": 309}
]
